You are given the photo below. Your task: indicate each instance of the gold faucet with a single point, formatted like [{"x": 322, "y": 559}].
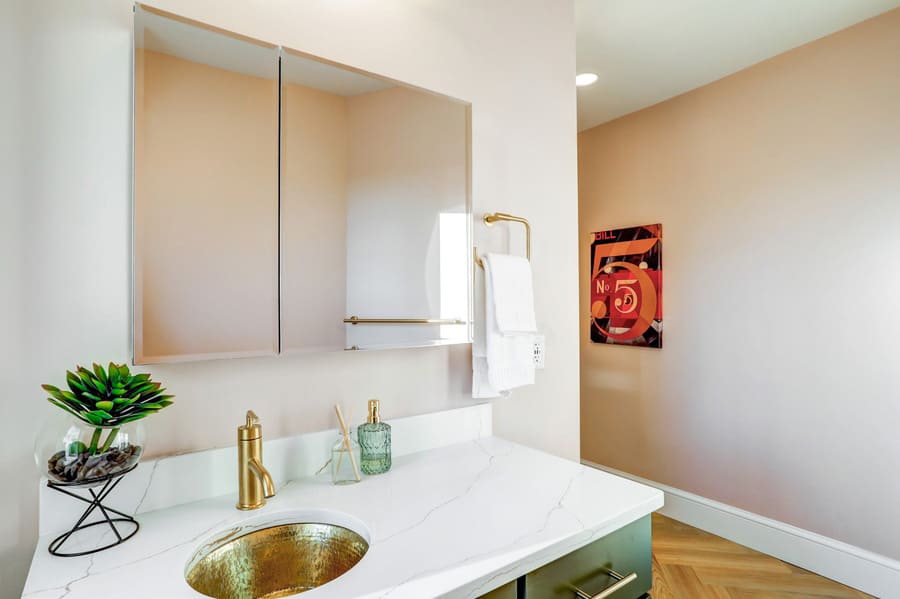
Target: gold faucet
[{"x": 254, "y": 481}]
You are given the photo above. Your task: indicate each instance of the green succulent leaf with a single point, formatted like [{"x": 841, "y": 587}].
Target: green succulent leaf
[
  {"x": 92, "y": 418},
  {"x": 74, "y": 382},
  {"x": 63, "y": 406},
  {"x": 69, "y": 396},
  {"x": 134, "y": 417},
  {"x": 101, "y": 414},
  {"x": 108, "y": 397},
  {"x": 101, "y": 386},
  {"x": 143, "y": 388},
  {"x": 130, "y": 410},
  {"x": 101, "y": 374},
  {"x": 88, "y": 378},
  {"x": 62, "y": 396}
]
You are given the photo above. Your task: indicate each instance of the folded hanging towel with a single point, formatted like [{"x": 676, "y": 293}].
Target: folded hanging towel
[
  {"x": 513, "y": 291},
  {"x": 481, "y": 387},
  {"x": 501, "y": 362}
]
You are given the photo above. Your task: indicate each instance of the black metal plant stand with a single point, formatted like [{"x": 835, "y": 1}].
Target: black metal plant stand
[{"x": 95, "y": 502}]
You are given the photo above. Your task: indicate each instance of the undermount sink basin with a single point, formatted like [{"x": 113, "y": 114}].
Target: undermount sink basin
[{"x": 276, "y": 559}]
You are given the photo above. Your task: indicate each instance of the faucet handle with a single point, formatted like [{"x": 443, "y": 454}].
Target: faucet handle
[{"x": 252, "y": 429}]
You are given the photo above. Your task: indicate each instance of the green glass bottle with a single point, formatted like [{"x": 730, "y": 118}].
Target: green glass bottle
[{"x": 374, "y": 441}]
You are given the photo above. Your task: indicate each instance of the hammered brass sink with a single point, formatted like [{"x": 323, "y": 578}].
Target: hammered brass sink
[{"x": 275, "y": 561}]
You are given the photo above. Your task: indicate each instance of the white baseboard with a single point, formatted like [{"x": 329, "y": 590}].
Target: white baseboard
[{"x": 853, "y": 566}]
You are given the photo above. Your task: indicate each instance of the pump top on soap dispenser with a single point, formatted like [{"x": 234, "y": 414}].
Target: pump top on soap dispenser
[{"x": 374, "y": 441}]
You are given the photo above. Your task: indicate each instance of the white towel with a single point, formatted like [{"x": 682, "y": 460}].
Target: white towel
[
  {"x": 501, "y": 362},
  {"x": 481, "y": 388},
  {"x": 513, "y": 292}
]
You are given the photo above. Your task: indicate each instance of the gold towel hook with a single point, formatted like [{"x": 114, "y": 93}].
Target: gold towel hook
[{"x": 490, "y": 219}]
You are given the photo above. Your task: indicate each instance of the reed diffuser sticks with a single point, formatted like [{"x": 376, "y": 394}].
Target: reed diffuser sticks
[{"x": 346, "y": 432}]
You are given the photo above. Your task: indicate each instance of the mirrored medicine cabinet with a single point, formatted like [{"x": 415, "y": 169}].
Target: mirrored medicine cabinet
[{"x": 284, "y": 203}]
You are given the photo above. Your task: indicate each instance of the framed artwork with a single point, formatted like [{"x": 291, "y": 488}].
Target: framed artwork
[{"x": 626, "y": 286}]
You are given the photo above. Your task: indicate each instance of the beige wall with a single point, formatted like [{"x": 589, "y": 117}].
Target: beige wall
[
  {"x": 313, "y": 218},
  {"x": 76, "y": 197},
  {"x": 206, "y": 210},
  {"x": 779, "y": 193},
  {"x": 408, "y": 164}
]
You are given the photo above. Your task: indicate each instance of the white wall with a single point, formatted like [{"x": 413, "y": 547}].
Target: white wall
[
  {"x": 19, "y": 526},
  {"x": 513, "y": 59}
]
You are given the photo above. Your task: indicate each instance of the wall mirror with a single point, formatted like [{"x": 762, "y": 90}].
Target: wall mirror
[{"x": 284, "y": 203}]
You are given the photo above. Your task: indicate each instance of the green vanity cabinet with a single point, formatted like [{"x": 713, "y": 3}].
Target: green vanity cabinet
[
  {"x": 592, "y": 569},
  {"x": 625, "y": 552},
  {"x": 507, "y": 591}
]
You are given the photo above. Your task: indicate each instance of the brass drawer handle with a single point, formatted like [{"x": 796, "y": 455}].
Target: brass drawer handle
[{"x": 621, "y": 582}]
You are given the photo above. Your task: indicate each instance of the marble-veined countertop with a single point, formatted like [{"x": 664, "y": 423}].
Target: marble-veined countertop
[{"x": 456, "y": 521}]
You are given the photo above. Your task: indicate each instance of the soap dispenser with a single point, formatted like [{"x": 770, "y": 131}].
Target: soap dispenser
[{"x": 374, "y": 441}]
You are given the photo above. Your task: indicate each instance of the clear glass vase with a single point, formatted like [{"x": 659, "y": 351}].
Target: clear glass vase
[
  {"x": 344, "y": 463},
  {"x": 71, "y": 452}
]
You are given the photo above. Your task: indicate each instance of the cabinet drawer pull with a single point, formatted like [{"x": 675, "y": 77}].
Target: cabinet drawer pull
[{"x": 621, "y": 582}]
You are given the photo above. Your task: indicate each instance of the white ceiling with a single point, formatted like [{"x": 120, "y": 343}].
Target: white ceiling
[
  {"x": 198, "y": 44},
  {"x": 646, "y": 51}
]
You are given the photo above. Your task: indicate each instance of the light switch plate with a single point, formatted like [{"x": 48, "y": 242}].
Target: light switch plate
[{"x": 539, "y": 351}]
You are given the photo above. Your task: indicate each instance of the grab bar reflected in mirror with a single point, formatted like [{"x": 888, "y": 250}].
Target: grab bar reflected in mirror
[{"x": 358, "y": 320}]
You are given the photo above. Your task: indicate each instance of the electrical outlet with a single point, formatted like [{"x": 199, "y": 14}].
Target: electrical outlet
[{"x": 539, "y": 351}]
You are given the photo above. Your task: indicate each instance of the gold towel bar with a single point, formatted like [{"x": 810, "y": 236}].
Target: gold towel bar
[
  {"x": 490, "y": 219},
  {"x": 358, "y": 320}
]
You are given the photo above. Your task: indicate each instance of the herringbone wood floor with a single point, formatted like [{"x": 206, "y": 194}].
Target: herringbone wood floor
[{"x": 689, "y": 563}]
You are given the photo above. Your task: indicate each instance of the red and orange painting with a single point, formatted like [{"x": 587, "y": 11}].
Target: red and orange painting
[{"x": 626, "y": 286}]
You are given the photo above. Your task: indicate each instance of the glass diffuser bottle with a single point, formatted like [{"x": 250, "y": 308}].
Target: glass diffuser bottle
[
  {"x": 375, "y": 442},
  {"x": 343, "y": 461}
]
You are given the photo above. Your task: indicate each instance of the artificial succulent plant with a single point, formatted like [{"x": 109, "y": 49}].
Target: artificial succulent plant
[{"x": 108, "y": 399}]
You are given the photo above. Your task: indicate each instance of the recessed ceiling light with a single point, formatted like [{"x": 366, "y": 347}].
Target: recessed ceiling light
[{"x": 585, "y": 79}]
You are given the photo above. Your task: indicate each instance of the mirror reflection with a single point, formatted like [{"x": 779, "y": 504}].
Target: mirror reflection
[
  {"x": 374, "y": 210},
  {"x": 287, "y": 204},
  {"x": 205, "y": 192}
]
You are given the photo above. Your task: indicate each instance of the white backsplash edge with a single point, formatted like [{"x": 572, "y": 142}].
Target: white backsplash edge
[{"x": 173, "y": 480}]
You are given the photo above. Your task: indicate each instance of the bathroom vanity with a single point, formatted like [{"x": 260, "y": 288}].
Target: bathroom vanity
[
  {"x": 461, "y": 515},
  {"x": 618, "y": 566}
]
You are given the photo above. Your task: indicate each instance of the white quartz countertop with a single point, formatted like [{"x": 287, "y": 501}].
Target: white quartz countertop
[{"x": 456, "y": 521}]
